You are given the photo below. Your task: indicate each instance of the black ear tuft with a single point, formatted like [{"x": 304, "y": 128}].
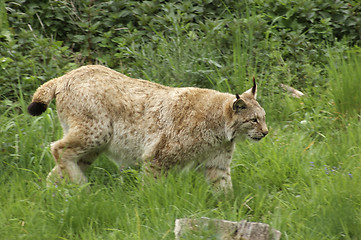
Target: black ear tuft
[
  {"x": 254, "y": 88},
  {"x": 237, "y": 96},
  {"x": 36, "y": 108}
]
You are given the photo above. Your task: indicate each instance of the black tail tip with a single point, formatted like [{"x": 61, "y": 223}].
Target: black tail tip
[{"x": 36, "y": 108}]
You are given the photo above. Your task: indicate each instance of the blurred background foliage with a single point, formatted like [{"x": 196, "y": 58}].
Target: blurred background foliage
[{"x": 207, "y": 43}]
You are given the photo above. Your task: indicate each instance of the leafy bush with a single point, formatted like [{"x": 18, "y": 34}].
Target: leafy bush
[
  {"x": 214, "y": 44},
  {"x": 287, "y": 36},
  {"x": 28, "y": 58},
  {"x": 320, "y": 20}
]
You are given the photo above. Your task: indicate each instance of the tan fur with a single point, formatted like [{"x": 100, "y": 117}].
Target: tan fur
[{"x": 133, "y": 120}]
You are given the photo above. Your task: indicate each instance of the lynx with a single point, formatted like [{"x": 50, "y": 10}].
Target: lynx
[{"x": 136, "y": 121}]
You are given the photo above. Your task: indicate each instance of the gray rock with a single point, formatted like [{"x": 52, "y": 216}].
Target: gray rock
[{"x": 225, "y": 230}]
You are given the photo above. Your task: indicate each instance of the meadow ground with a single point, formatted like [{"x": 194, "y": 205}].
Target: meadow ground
[{"x": 302, "y": 179}]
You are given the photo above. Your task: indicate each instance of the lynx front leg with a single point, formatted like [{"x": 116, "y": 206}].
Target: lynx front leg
[
  {"x": 218, "y": 171},
  {"x": 220, "y": 177}
]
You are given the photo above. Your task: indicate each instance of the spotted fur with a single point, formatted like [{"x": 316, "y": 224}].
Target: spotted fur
[{"x": 136, "y": 121}]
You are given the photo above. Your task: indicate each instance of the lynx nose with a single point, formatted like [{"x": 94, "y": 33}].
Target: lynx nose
[{"x": 265, "y": 132}]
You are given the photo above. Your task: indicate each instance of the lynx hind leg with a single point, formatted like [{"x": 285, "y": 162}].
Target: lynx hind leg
[
  {"x": 66, "y": 155},
  {"x": 56, "y": 174},
  {"x": 75, "y": 153},
  {"x": 151, "y": 169}
]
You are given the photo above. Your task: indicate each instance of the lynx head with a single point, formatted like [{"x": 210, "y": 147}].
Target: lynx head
[{"x": 246, "y": 117}]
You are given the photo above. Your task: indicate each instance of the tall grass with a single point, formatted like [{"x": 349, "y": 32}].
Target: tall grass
[
  {"x": 302, "y": 179},
  {"x": 303, "y": 184},
  {"x": 344, "y": 72}
]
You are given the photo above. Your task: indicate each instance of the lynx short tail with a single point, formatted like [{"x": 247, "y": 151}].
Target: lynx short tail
[{"x": 42, "y": 97}]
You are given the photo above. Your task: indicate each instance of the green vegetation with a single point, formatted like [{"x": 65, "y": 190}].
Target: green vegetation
[
  {"x": 302, "y": 179},
  {"x": 345, "y": 86}
]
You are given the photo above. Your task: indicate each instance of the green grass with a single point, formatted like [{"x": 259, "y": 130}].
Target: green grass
[
  {"x": 276, "y": 181},
  {"x": 302, "y": 179},
  {"x": 345, "y": 87}
]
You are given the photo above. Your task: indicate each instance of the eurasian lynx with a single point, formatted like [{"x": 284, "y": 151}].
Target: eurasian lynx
[{"x": 133, "y": 120}]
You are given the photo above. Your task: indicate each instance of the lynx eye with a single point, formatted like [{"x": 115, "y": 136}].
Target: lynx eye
[{"x": 255, "y": 120}]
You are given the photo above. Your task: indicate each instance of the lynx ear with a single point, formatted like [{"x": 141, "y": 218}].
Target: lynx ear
[
  {"x": 238, "y": 103},
  {"x": 253, "y": 91}
]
